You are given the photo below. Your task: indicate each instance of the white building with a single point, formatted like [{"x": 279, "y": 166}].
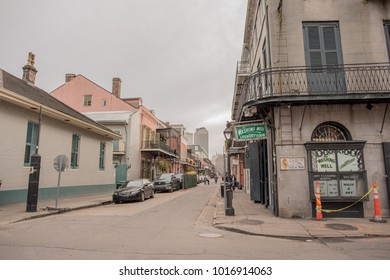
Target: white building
[{"x": 61, "y": 131}]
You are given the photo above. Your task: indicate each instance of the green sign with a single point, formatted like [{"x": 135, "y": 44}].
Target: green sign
[{"x": 250, "y": 132}]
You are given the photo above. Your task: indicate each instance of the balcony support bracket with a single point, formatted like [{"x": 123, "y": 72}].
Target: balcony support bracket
[{"x": 384, "y": 117}]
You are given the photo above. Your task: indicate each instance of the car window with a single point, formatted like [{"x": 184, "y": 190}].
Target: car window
[
  {"x": 165, "y": 176},
  {"x": 133, "y": 184}
]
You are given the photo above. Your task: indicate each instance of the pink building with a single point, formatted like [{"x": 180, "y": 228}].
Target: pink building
[
  {"x": 142, "y": 146},
  {"x": 84, "y": 95}
]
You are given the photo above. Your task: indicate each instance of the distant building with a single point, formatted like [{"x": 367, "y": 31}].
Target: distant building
[
  {"x": 148, "y": 147},
  {"x": 217, "y": 160},
  {"x": 201, "y": 138},
  {"x": 32, "y": 121},
  {"x": 190, "y": 138}
]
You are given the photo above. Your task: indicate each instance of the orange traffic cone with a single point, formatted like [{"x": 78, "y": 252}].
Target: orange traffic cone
[
  {"x": 318, "y": 201},
  {"x": 377, "y": 209}
]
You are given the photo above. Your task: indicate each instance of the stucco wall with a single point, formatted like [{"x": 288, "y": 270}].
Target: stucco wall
[
  {"x": 361, "y": 29},
  {"x": 363, "y": 124},
  {"x": 55, "y": 139}
]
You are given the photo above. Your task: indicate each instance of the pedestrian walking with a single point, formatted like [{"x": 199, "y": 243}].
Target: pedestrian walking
[{"x": 216, "y": 179}]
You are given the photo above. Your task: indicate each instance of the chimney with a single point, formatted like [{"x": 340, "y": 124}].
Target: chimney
[
  {"x": 116, "y": 87},
  {"x": 29, "y": 71},
  {"x": 69, "y": 77}
]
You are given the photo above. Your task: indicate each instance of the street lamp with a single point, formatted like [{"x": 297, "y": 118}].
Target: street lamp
[{"x": 229, "y": 210}]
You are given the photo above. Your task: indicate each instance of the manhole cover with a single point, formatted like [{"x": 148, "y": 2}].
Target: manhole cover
[
  {"x": 251, "y": 222},
  {"x": 210, "y": 235},
  {"x": 341, "y": 227}
]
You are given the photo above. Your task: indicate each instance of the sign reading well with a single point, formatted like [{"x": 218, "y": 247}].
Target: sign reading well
[{"x": 253, "y": 131}]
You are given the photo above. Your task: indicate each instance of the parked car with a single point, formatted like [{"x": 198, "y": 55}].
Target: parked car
[
  {"x": 166, "y": 182},
  {"x": 134, "y": 190}
]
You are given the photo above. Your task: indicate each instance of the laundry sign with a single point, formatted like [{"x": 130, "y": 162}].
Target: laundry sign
[{"x": 253, "y": 131}]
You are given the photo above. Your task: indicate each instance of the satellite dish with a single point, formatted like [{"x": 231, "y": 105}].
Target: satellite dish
[{"x": 61, "y": 162}]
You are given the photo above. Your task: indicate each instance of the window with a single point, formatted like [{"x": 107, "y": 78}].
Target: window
[
  {"x": 387, "y": 34},
  {"x": 31, "y": 142},
  {"x": 101, "y": 155},
  {"x": 87, "y": 100},
  {"x": 323, "y": 48},
  {"x": 104, "y": 102},
  {"x": 116, "y": 142},
  {"x": 330, "y": 131},
  {"x": 337, "y": 163},
  {"x": 74, "y": 158}
]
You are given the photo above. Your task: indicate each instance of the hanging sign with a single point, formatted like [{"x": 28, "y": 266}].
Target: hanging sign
[{"x": 253, "y": 131}]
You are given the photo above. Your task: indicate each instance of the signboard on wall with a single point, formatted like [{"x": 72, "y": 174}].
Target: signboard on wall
[
  {"x": 253, "y": 131},
  {"x": 292, "y": 163}
]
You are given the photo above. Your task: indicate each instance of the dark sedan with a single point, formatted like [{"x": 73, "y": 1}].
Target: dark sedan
[{"x": 134, "y": 190}]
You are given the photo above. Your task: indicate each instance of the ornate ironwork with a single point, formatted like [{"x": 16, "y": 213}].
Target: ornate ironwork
[{"x": 298, "y": 81}]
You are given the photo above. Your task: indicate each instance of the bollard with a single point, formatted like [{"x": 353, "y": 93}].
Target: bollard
[
  {"x": 318, "y": 201},
  {"x": 377, "y": 209},
  {"x": 222, "y": 187},
  {"x": 229, "y": 210}
]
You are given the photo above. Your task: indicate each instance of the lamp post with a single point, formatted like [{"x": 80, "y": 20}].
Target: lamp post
[{"x": 229, "y": 210}]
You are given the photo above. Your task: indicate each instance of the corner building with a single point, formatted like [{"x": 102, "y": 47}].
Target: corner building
[{"x": 317, "y": 73}]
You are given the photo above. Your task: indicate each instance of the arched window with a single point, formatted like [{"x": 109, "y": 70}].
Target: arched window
[{"x": 330, "y": 131}]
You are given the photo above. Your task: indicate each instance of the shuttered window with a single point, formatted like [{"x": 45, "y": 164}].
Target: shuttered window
[
  {"x": 324, "y": 58},
  {"x": 387, "y": 34},
  {"x": 322, "y": 44},
  {"x": 102, "y": 155},
  {"x": 31, "y": 142},
  {"x": 74, "y": 157}
]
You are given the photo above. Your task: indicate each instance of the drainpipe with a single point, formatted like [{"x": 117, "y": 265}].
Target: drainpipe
[{"x": 274, "y": 168}]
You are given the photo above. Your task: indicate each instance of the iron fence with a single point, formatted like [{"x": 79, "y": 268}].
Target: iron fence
[
  {"x": 157, "y": 145},
  {"x": 322, "y": 80}
]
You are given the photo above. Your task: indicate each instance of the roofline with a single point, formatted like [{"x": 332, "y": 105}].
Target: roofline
[{"x": 11, "y": 97}]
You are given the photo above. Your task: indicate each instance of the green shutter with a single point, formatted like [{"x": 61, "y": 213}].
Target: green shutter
[
  {"x": 31, "y": 142},
  {"x": 74, "y": 157}
]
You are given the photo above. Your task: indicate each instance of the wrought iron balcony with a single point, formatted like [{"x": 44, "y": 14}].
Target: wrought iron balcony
[
  {"x": 158, "y": 146},
  {"x": 331, "y": 81}
]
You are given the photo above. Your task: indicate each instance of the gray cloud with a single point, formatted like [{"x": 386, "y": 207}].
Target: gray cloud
[{"x": 178, "y": 55}]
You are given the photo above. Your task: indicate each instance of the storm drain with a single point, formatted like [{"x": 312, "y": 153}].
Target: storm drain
[
  {"x": 210, "y": 235},
  {"x": 341, "y": 227},
  {"x": 250, "y": 222}
]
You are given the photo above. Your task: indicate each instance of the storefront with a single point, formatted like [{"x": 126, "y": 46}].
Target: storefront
[{"x": 337, "y": 163}]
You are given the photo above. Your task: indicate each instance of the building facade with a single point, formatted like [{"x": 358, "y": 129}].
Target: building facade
[
  {"x": 43, "y": 125},
  {"x": 316, "y": 75},
  {"x": 201, "y": 138}
]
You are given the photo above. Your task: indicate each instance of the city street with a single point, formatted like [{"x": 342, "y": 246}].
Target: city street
[{"x": 170, "y": 226}]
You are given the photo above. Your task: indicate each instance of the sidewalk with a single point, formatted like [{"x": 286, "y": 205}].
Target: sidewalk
[
  {"x": 14, "y": 213},
  {"x": 254, "y": 219},
  {"x": 250, "y": 218}
]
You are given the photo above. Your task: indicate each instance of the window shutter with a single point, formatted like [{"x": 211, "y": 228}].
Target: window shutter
[
  {"x": 314, "y": 45},
  {"x": 330, "y": 45}
]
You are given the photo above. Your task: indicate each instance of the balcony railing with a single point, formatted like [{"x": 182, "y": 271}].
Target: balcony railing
[
  {"x": 158, "y": 145},
  {"x": 326, "y": 80}
]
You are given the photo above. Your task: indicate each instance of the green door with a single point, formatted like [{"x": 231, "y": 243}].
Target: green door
[{"x": 121, "y": 174}]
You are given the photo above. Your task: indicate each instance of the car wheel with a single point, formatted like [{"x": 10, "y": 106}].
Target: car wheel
[
  {"x": 142, "y": 198},
  {"x": 116, "y": 202},
  {"x": 152, "y": 194}
]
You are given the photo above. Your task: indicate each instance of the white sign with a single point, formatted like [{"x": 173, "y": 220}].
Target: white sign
[
  {"x": 292, "y": 163},
  {"x": 348, "y": 187}
]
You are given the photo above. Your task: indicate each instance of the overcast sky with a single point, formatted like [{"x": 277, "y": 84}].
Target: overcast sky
[{"x": 178, "y": 55}]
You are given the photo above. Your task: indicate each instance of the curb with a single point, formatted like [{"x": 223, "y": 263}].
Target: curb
[{"x": 57, "y": 212}]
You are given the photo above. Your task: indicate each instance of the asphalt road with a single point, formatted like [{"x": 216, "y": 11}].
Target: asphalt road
[{"x": 171, "y": 226}]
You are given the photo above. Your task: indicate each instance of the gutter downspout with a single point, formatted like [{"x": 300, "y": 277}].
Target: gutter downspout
[{"x": 274, "y": 182}]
